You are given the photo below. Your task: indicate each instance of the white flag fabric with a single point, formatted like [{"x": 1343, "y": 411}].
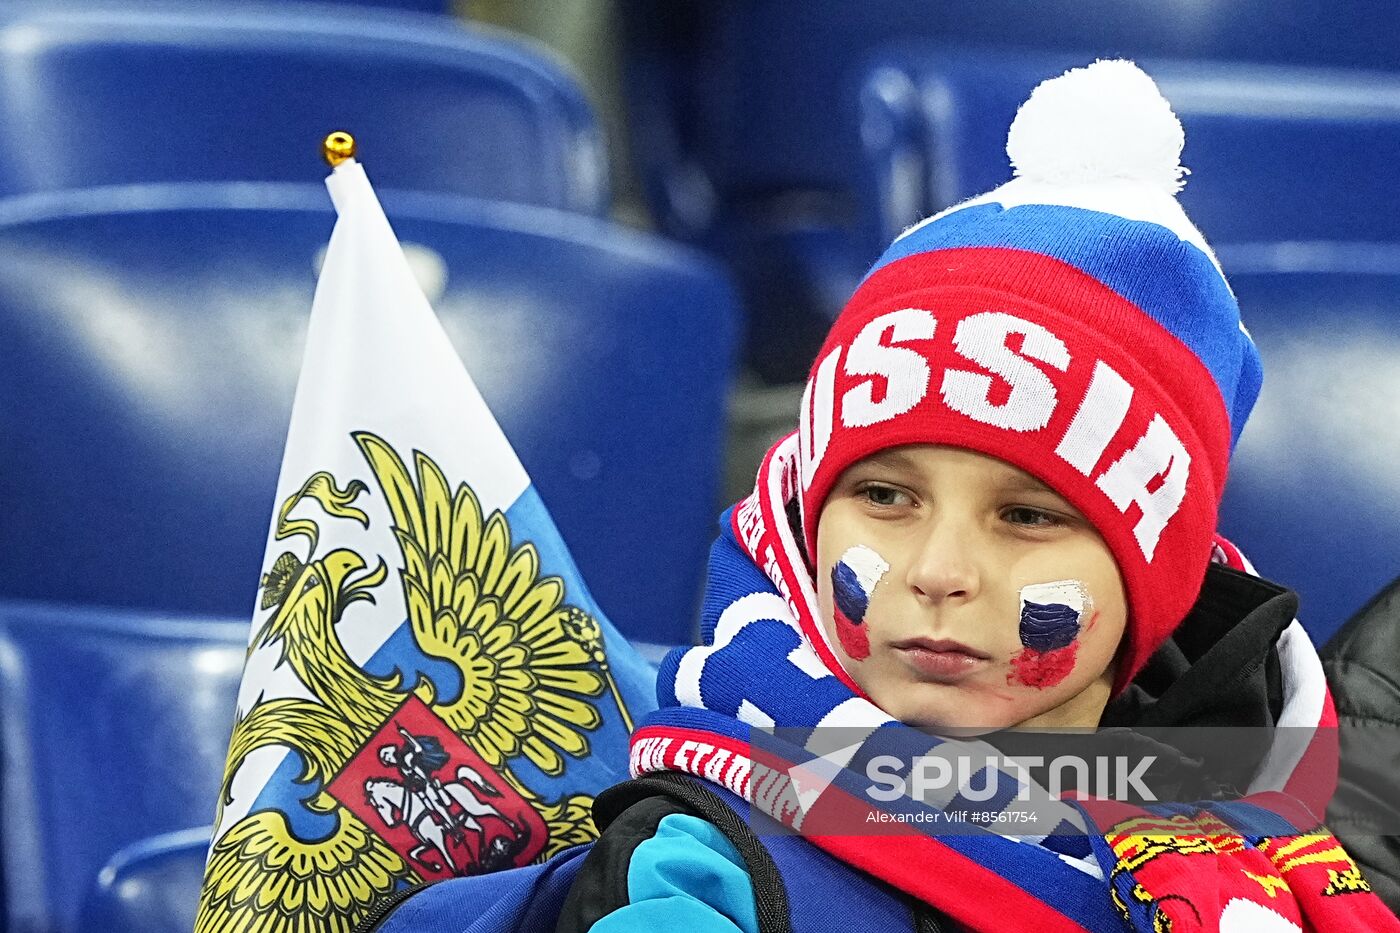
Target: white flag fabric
[{"x": 430, "y": 690}]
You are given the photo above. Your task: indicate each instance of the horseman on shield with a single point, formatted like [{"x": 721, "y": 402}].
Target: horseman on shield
[
  {"x": 427, "y": 804},
  {"x": 417, "y": 760}
]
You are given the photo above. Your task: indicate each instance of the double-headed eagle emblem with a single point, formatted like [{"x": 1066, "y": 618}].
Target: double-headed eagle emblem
[{"x": 530, "y": 666}]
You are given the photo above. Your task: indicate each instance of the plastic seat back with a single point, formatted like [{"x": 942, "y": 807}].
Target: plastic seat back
[
  {"x": 152, "y": 344},
  {"x": 151, "y": 886},
  {"x": 1275, "y": 153},
  {"x": 1312, "y": 497},
  {"x": 239, "y": 92},
  {"x": 116, "y": 725}
]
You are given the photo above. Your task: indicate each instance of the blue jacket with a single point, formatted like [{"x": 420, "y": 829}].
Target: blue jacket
[{"x": 679, "y": 854}]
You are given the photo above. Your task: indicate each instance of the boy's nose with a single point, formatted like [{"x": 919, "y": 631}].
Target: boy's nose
[{"x": 944, "y": 567}]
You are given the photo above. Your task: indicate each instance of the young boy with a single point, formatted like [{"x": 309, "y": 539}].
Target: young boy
[{"x": 998, "y": 511}]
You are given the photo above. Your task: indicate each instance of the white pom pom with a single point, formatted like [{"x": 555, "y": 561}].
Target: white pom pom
[{"x": 1106, "y": 121}]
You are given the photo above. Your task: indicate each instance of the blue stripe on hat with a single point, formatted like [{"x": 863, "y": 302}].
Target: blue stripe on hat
[{"x": 1172, "y": 280}]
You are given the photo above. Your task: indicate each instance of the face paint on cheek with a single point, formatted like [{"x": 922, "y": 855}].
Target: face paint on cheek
[
  {"x": 1051, "y": 615},
  {"x": 853, "y": 580}
]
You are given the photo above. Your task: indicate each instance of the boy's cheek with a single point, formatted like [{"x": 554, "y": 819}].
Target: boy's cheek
[
  {"x": 853, "y": 579},
  {"x": 1053, "y": 618}
]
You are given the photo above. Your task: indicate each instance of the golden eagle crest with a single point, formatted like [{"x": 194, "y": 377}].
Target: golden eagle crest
[{"x": 403, "y": 781}]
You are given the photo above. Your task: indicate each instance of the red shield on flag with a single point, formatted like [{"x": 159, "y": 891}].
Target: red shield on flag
[{"x": 435, "y": 801}]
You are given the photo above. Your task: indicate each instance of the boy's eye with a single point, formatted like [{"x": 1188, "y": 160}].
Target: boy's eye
[
  {"x": 1036, "y": 518},
  {"x": 883, "y": 496}
]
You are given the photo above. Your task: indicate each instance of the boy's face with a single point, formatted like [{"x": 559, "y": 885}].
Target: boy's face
[{"x": 961, "y": 592}]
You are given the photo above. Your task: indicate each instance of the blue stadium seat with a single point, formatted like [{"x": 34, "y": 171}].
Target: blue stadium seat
[
  {"x": 242, "y": 92},
  {"x": 1312, "y": 496},
  {"x": 745, "y": 109},
  {"x": 152, "y": 338},
  {"x": 750, "y": 100},
  {"x": 410, "y": 6},
  {"x": 1275, "y": 153},
  {"x": 115, "y": 727},
  {"x": 150, "y": 886}
]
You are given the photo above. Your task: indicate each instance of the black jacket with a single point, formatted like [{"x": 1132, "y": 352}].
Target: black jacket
[{"x": 1363, "y": 670}]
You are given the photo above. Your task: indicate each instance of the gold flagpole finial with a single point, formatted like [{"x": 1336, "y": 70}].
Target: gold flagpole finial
[{"x": 337, "y": 147}]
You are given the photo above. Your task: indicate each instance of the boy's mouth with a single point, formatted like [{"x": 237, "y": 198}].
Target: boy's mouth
[{"x": 941, "y": 660}]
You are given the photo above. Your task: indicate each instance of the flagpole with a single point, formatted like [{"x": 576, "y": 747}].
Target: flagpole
[{"x": 337, "y": 147}]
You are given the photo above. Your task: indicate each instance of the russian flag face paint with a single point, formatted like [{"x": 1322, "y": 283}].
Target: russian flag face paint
[
  {"x": 1051, "y": 618},
  {"x": 853, "y": 580}
]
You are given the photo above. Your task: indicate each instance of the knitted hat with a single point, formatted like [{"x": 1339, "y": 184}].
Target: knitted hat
[{"x": 1073, "y": 323}]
